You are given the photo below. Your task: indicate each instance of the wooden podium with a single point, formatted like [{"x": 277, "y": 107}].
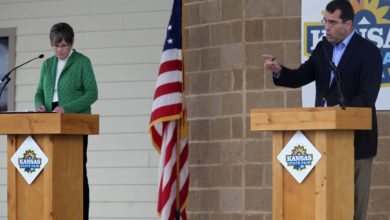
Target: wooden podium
[
  {"x": 327, "y": 193},
  {"x": 57, "y": 192}
]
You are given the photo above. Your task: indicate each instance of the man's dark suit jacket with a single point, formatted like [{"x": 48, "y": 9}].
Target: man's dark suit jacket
[{"x": 360, "y": 68}]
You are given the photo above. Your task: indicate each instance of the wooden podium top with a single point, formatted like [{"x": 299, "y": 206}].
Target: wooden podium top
[
  {"x": 320, "y": 118},
  {"x": 48, "y": 123}
]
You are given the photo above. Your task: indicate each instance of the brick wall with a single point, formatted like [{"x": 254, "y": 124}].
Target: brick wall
[{"x": 230, "y": 166}]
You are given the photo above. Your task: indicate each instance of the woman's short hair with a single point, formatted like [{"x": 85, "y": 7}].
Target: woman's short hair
[{"x": 61, "y": 31}]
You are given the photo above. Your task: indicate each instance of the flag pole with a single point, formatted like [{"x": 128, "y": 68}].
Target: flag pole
[{"x": 179, "y": 121}]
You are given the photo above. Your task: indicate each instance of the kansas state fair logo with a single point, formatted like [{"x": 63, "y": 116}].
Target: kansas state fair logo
[
  {"x": 372, "y": 21},
  {"x": 298, "y": 158},
  {"x": 29, "y": 162}
]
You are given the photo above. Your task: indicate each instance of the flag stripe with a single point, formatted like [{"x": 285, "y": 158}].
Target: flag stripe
[
  {"x": 155, "y": 137},
  {"x": 167, "y": 100},
  {"x": 168, "y": 77},
  {"x": 170, "y": 66},
  {"x": 164, "y": 111},
  {"x": 174, "y": 87},
  {"x": 171, "y": 54}
]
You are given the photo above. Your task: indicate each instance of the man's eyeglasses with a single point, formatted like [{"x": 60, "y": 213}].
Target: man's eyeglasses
[
  {"x": 60, "y": 46},
  {"x": 330, "y": 22}
]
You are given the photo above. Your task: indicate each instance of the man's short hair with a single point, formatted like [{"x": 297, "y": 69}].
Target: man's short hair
[
  {"x": 61, "y": 31},
  {"x": 345, "y": 7}
]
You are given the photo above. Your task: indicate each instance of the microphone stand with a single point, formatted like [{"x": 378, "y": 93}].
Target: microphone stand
[
  {"x": 336, "y": 77},
  {"x": 6, "y": 77},
  {"x": 5, "y": 84}
]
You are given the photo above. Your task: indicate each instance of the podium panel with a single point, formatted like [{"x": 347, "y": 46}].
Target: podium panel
[
  {"x": 327, "y": 193},
  {"x": 57, "y": 192}
]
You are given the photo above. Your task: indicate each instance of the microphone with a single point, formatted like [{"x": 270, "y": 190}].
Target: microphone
[
  {"x": 7, "y": 75},
  {"x": 336, "y": 75}
]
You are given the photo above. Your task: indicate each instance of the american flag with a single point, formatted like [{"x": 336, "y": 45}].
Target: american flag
[{"x": 168, "y": 118}]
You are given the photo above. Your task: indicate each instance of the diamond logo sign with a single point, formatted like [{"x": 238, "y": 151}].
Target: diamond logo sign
[
  {"x": 299, "y": 156},
  {"x": 29, "y": 160}
]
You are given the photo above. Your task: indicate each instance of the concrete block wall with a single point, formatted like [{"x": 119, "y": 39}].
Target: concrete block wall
[
  {"x": 124, "y": 40},
  {"x": 230, "y": 166}
]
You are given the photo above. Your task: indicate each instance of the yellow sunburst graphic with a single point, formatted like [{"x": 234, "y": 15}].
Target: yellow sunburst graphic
[
  {"x": 299, "y": 150},
  {"x": 371, "y": 5},
  {"x": 30, "y": 154}
]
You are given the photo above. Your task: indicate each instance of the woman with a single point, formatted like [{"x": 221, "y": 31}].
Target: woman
[{"x": 67, "y": 85}]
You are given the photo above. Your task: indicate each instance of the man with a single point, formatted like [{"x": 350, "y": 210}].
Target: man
[{"x": 359, "y": 65}]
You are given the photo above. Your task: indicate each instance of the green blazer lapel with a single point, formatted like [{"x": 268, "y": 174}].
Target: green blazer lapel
[
  {"x": 53, "y": 73},
  {"x": 70, "y": 61},
  {"x": 53, "y": 65}
]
